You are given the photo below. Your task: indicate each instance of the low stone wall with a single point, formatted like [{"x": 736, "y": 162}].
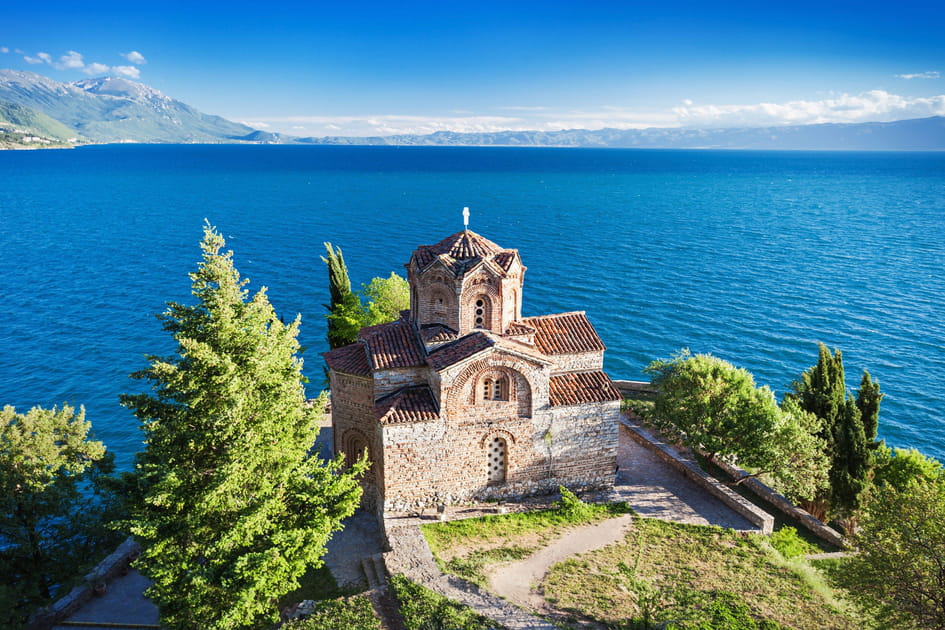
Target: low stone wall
[
  {"x": 779, "y": 501},
  {"x": 755, "y": 515},
  {"x": 110, "y": 567},
  {"x": 629, "y": 388}
]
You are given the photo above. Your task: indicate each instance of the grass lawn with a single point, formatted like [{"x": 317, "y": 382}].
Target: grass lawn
[
  {"x": 695, "y": 577},
  {"x": 467, "y": 548}
]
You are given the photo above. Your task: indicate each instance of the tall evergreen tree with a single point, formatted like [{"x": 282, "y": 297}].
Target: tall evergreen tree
[
  {"x": 344, "y": 312},
  {"x": 234, "y": 504},
  {"x": 868, "y": 398},
  {"x": 822, "y": 392}
]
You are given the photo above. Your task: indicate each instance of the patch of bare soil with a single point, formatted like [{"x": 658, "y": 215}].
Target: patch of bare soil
[{"x": 517, "y": 581}]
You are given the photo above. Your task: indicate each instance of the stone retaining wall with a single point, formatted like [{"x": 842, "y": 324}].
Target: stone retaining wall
[
  {"x": 755, "y": 515},
  {"x": 761, "y": 490},
  {"x": 779, "y": 501},
  {"x": 110, "y": 567}
]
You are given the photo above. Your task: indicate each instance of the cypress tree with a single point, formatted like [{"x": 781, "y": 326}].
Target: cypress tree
[
  {"x": 868, "y": 399},
  {"x": 822, "y": 391},
  {"x": 344, "y": 311}
]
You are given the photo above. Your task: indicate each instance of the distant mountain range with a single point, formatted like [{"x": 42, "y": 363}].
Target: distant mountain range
[
  {"x": 112, "y": 109},
  {"x": 920, "y": 134}
]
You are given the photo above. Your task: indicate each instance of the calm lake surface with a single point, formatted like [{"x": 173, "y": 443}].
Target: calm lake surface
[{"x": 752, "y": 256}]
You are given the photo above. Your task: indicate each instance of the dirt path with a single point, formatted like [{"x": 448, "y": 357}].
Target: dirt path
[{"x": 516, "y": 581}]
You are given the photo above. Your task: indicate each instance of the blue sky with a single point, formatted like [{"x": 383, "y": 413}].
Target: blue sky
[{"x": 364, "y": 68}]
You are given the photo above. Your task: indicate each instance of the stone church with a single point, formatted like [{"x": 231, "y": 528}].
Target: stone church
[{"x": 463, "y": 398}]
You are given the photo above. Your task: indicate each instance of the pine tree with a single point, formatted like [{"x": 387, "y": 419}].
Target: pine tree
[{"x": 234, "y": 506}]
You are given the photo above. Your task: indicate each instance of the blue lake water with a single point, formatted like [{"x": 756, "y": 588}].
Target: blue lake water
[{"x": 752, "y": 256}]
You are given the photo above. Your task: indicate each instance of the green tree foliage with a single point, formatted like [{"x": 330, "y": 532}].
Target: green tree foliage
[
  {"x": 387, "y": 297},
  {"x": 906, "y": 466},
  {"x": 822, "y": 391},
  {"x": 901, "y": 543},
  {"x": 50, "y": 520},
  {"x": 709, "y": 405},
  {"x": 348, "y": 313},
  {"x": 234, "y": 506},
  {"x": 355, "y": 613},
  {"x": 868, "y": 398},
  {"x": 344, "y": 310}
]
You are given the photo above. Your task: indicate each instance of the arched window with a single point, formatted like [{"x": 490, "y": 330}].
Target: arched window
[
  {"x": 497, "y": 460},
  {"x": 495, "y": 388}
]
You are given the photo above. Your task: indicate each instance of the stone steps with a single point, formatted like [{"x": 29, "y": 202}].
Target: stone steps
[{"x": 375, "y": 571}]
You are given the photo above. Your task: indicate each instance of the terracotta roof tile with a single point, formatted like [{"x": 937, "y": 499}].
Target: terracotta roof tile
[
  {"x": 518, "y": 328},
  {"x": 437, "y": 333},
  {"x": 581, "y": 387},
  {"x": 350, "y": 359},
  {"x": 565, "y": 333},
  {"x": 411, "y": 404},
  {"x": 393, "y": 345},
  {"x": 504, "y": 259},
  {"x": 465, "y": 245},
  {"x": 463, "y": 251},
  {"x": 464, "y": 348}
]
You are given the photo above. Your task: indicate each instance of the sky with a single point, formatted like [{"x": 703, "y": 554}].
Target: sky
[{"x": 382, "y": 68}]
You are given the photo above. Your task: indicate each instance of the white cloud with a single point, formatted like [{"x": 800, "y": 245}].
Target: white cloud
[
  {"x": 871, "y": 106},
  {"x": 95, "y": 68},
  {"x": 128, "y": 71},
  {"x": 931, "y": 74},
  {"x": 32, "y": 60},
  {"x": 70, "y": 60},
  {"x": 4, "y": 49},
  {"x": 45, "y": 57},
  {"x": 522, "y": 108},
  {"x": 135, "y": 57}
]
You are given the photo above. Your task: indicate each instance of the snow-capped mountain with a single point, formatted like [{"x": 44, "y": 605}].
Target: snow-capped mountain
[{"x": 114, "y": 109}]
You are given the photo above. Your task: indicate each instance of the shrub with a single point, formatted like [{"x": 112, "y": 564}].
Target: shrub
[
  {"x": 790, "y": 545},
  {"x": 355, "y": 613}
]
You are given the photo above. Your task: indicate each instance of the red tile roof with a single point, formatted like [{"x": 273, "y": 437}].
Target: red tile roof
[
  {"x": 350, "y": 359},
  {"x": 464, "y": 348},
  {"x": 393, "y": 345},
  {"x": 411, "y": 404},
  {"x": 463, "y": 251},
  {"x": 565, "y": 333},
  {"x": 435, "y": 333},
  {"x": 518, "y": 328},
  {"x": 581, "y": 387}
]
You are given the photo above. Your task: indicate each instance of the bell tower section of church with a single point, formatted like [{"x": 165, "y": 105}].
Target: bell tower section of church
[{"x": 465, "y": 283}]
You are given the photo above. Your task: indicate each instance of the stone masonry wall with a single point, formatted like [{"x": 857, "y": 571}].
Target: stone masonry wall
[
  {"x": 446, "y": 462},
  {"x": 389, "y": 381},
  {"x": 352, "y": 417},
  {"x": 579, "y": 362}
]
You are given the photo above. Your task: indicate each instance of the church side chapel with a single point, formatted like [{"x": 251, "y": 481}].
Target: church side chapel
[{"x": 463, "y": 398}]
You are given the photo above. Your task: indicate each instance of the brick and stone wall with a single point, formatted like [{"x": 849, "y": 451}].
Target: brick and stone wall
[
  {"x": 389, "y": 381},
  {"x": 355, "y": 428},
  {"x": 579, "y": 362}
]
